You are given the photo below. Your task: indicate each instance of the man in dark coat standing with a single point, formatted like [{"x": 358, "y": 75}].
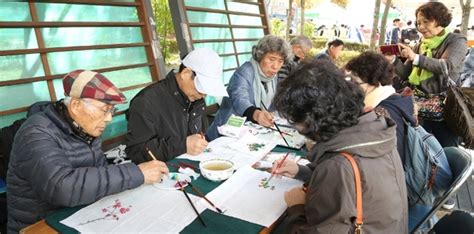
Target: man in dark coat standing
[
  {"x": 165, "y": 117},
  {"x": 57, "y": 160}
]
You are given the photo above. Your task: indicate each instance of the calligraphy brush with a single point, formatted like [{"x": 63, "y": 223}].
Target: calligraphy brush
[
  {"x": 150, "y": 153},
  {"x": 277, "y": 131},
  {"x": 276, "y": 126},
  {"x": 205, "y": 198},
  {"x": 192, "y": 204},
  {"x": 278, "y": 166}
]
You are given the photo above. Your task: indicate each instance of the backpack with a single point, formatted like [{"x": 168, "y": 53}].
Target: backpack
[{"x": 423, "y": 166}]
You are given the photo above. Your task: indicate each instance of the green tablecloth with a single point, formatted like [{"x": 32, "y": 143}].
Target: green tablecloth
[{"x": 216, "y": 223}]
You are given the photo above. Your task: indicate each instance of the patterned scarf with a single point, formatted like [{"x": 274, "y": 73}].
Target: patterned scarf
[{"x": 426, "y": 48}]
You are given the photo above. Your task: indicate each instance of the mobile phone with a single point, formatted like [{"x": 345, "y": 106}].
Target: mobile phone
[{"x": 390, "y": 49}]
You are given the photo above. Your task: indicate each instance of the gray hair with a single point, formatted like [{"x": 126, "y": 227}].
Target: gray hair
[
  {"x": 303, "y": 41},
  {"x": 271, "y": 44},
  {"x": 67, "y": 100}
]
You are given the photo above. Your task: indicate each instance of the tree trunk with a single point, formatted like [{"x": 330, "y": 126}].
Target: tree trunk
[
  {"x": 302, "y": 17},
  {"x": 375, "y": 24},
  {"x": 383, "y": 26},
  {"x": 289, "y": 19},
  {"x": 466, "y": 12}
]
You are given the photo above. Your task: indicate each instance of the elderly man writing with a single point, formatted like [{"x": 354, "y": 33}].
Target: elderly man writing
[
  {"x": 165, "y": 117},
  {"x": 57, "y": 161}
]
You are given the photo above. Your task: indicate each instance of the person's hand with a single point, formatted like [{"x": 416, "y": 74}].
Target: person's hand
[
  {"x": 153, "y": 171},
  {"x": 195, "y": 144},
  {"x": 296, "y": 196},
  {"x": 407, "y": 52},
  {"x": 263, "y": 118},
  {"x": 289, "y": 168}
]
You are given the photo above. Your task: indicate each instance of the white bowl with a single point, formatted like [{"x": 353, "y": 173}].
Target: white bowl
[{"x": 216, "y": 169}]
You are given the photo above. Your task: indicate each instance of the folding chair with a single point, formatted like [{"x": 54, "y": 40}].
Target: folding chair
[{"x": 461, "y": 165}]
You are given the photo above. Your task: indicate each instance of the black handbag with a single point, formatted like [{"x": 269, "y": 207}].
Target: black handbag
[{"x": 459, "y": 110}]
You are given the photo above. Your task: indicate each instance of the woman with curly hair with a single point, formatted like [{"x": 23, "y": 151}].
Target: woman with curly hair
[
  {"x": 329, "y": 110},
  {"x": 438, "y": 57},
  {"x": 253, "y": 84}
]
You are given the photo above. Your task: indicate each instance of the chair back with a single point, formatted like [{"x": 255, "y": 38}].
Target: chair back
[{"x": 461, "y": 165}]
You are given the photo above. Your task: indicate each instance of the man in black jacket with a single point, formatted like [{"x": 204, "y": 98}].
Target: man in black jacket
[
  {"x": 165, "y": 117},
  {"x": 57, "y": 160}
]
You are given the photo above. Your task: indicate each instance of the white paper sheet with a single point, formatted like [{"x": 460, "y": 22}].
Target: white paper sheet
[
  {"x": 244, "y": 145},
  {"x": 242, "y": 197},
  {"x": 295, "y": 140},
  {"x": 150, "y": 210},
  {"x": 220, "y": 149}
]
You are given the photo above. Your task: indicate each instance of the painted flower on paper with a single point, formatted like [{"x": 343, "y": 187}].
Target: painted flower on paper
[{"x": 112, "y": 212}]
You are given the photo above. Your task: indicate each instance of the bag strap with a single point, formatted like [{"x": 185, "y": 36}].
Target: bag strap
[{"x": 358, "y": 189}]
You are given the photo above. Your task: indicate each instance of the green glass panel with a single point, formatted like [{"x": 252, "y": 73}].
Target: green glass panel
[
  {"x": 129, "y": 94},
  {"x": 248, "y": 32},
  {"x": 214, "y": 4},
  {"x": 245, "y": 46},
  {"x": 244, "y": 58},
  {"x": 245, "y": 20},
  {"x": 129, "y": 77},
  {"x": 243, "y": 7},
  {"x": 64, "y": 62},
  {"x": 56, "y": 12},
  {"x": 229, "y": 62},
  {"x": 207, "y": 18},
  {"x": 218, "y": 47},
  {"x": 210, "y": 100},
  {"x": 15, "y": 11},
  {"x": 227, "y": 75},
  {"x": 203, "y": 33},
  {"x": 14, "y": 67},
  {"x": 30, "y": 93},
  {"x": 116, "y": 127},
  {"x": 58, "y": 88},
  {"x": 80, "y": 36},
  {"x": 17, "y": 38},
  {"x": 6, "y": 120}
]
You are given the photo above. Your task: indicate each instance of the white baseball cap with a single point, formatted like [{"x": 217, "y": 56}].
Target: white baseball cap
[{"x": 207, "y": 65}]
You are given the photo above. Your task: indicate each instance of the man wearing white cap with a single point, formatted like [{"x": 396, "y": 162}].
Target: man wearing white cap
[{"x": 165, "y": 117}]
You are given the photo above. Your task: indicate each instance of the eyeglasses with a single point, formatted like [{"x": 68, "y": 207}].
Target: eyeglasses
[{"x": 111, "y": 110}]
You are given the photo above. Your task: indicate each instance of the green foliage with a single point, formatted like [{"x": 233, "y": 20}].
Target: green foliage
[
  {"x": 278, "y": 27},
  {"x": 165, "y": 30},
  {"x": 320, "y": 43},
  {"x": 350, "y": 51},
  {"x": 308, "y": 29},
  {"x": 345, "y": 56}
]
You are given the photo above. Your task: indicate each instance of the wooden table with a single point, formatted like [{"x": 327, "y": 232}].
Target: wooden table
[{"x": 39, "y": 227}]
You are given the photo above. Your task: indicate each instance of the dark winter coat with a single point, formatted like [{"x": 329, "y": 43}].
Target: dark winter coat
[
  {"x": 53, "y": 166},
  {"x": 160, "y": 119}
]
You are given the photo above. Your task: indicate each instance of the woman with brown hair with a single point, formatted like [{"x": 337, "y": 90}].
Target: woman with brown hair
[{"x": 437, "y": 57}]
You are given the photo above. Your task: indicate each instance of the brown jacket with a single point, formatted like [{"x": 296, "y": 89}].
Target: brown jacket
[{"x": 330, "y": 200}]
